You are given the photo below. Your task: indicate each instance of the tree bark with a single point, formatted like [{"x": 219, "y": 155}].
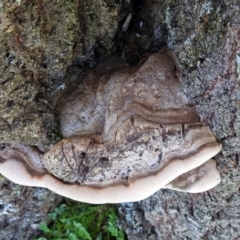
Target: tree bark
[{"x": 47, "y": 47}]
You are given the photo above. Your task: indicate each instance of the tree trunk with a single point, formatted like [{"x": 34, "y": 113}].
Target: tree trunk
[{"x": 48, "y": 46}]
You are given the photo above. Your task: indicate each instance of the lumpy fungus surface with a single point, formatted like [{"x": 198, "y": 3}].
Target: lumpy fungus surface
[{"x": 126, "y": 134}]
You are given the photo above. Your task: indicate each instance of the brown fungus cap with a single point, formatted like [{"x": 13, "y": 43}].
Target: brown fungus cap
[
  {"x": 135, "y": 191},
  {"x": 151, "y": 90},
  {"x": 127, "y": 134},
  {"x": 194, "y": 148}
]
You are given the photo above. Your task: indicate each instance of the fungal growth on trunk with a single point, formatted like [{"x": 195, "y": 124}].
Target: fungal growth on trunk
[{"x": 126, "y": 135}]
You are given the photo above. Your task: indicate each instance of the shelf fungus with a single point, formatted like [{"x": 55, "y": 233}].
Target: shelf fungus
[{"x": 126, "y": 135}]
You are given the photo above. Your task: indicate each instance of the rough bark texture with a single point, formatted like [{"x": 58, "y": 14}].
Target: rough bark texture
[
  {"x": 46, "y": 46},
  {"x": 205, "y": 37},
  {"x": 38, "y": 41}
]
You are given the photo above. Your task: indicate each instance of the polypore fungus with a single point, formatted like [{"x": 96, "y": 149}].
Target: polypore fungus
[
  {"x": 127, "y": 135},
  {"x": 197, "y": 180},
  {"x": 151, "y": 90},
  {"x": 124, "y": 170}
]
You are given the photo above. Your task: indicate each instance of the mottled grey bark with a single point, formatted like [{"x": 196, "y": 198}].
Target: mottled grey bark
[
  {"x": 38, "y": 40},
  {"x": 45, "y": 46},
  {"x": 205, "y": 37}
]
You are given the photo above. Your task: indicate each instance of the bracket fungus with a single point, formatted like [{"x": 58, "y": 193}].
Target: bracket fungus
[{"x": 126, "y": 135}]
